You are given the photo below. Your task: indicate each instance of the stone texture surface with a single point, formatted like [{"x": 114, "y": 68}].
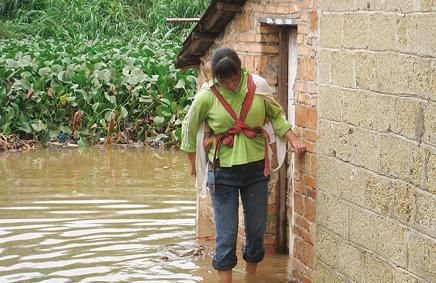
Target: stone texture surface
[
  {"x": 377, "y": 142},
  {"x": 422, "y": 255}
]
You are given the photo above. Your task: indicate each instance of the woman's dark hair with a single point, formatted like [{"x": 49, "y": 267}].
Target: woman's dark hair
[{"x": 225, "y": 64}]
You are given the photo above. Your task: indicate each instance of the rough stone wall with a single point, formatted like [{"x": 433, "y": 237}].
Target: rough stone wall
[
  {"x": 376, "y": 201},
  {"x": 258, "y": 46}
]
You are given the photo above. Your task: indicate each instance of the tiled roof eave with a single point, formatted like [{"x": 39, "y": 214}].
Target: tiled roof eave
[{"x": 212, "y": 23}]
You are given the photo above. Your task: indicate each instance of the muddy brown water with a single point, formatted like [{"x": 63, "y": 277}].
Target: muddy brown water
[{"x": 107, "y": 215}]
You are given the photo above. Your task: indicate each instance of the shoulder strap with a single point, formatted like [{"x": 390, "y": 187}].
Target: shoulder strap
[
  {"x": 251, "y": 89},
  {"x": 248, "y": 100},
  {"x": 223, "y": 102}
]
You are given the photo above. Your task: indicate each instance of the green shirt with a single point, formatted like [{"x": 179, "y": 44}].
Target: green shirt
[{"x": 207, "y": 107}]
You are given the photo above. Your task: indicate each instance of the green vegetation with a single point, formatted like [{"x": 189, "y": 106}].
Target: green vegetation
[{"x": 93, "y": 69}]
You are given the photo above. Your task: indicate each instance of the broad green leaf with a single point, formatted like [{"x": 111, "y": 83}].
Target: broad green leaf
[
  {"x": 10, "y": 113},
  {"x": 39, "y": 84},
  {"x": 38, "y": 126},
  {"x": 180, "y": 84},
  {"x": 145, "y": 99},
  {"x": 25, "y": 127},
  {"x": 96, "y": 83},
  {"x": 165, "y": 101},
  {"x": 108, "y": 115},
  {"x": 124, "y": 112},
  {"x": 173, "y": 106},
  {"x": 111, "y": 98},
  {"x": 66, "y": 129},
  {"x": 158, "y": 121},
  {"x": 44, "y": 72},
  {"x": 44, "y": 137},
  {"x": 6, "y": 129},
  {"x": 95, "y": 106},
  {"x": 82, "y": 142}
]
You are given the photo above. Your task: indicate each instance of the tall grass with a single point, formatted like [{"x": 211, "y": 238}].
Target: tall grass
[{"x": 94, "y": 19}]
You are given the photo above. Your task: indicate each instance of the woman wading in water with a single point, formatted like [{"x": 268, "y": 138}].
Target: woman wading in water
[{"x": 238, "y": 157}]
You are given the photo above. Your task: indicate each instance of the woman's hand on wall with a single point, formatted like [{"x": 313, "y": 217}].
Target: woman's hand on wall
[{"x": 297, "y": 145}]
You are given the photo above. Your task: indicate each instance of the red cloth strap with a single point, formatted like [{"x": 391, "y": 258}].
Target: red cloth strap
[{"x": 227, "y": 138}]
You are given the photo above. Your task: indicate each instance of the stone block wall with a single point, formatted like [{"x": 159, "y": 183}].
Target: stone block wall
[
  {"x": 258, "y": 46},
  {"x": 376, "y": 201}
]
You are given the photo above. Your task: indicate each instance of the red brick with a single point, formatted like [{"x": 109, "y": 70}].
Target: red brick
[
  {"x": 297, "y": 175},
  {"x": 313, "y": 21},
  {"x": 270, "y": 49},
  {"x": 269, "y": 38},
  {"x": 299, "y": 188},
  {"x": 308, "y": 4},
  {"x": 270, "y": 9},
  {"x": 246, "y": 20},
  {"x": 306, "y": 65},
  {"x": 297, "y": 275},
  {"x": 302, "y": 222},
  {"x": 268, "y": 29},
  {"x": 313, "y": 161},
  {"x": 311, "y": 193},
  {"x": 310, "y": 135},
  {"x": 299, "y": 203},
  {"x": 296, "y": 7},
  {"x": 303, "y": 28},
  {"x": 300, "y": 231},
  {"x": 309, "y": 181},
  {"x": 283, "y": 9},
  {"x": 310, "y": 147},
  {"x": 309, "y": 237},
  {"x": 300, "y": 163},
  {"x": 249, "y": 62},
  {"x": 300, "y": 38},
  {"x": 260, "y": 64},
  {"x": 309, "y": 209},
  {"x": 303, "y": 50},
  {"x": 303, "y": 98},
  {"x": 306, "y": 117},
  {"x": 304, "y": 16},
  {"x": 304, "y": 251}
]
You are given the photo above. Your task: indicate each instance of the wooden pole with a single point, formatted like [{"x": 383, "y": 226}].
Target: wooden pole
[{"x": 182, "y": 20}]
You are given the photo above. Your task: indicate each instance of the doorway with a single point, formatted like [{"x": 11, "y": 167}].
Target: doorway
[{"x": 287, "y": 71}]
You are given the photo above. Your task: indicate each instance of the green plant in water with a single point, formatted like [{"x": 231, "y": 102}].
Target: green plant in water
[
  {"x": 135, "y": 82},
  {"x": 110, "y": 61}
]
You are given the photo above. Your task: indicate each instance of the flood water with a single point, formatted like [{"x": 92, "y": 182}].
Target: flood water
[{"x": 107, "y": 215}]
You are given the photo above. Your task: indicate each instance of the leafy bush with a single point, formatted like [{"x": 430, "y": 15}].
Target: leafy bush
[
  {"x": 132, "y": 87},
  {"x": 105, "y": 66}
]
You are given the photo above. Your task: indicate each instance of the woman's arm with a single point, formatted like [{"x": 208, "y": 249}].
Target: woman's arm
[
  {"x": 191, "y": 157},
  {"x": 282, "y": 127},
  {"x": 196, "y": 114},
  {"x": 297, "y": 145}
]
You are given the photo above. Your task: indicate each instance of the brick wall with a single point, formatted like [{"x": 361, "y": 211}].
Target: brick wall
[
  {"x": 258, "y": 47},
  {"x": 376, "y": 201}
]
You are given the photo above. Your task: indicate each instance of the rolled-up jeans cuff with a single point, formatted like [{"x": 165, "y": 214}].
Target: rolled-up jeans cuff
[
  {"x": 223, "y": 265},
  {"x": 254, "y": 259}
]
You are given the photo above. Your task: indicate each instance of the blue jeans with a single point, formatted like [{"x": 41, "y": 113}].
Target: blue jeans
[{"x": 250, "y": 182}]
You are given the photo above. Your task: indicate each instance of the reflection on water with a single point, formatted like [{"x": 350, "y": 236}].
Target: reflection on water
[{"x": 106, "y": 215}]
